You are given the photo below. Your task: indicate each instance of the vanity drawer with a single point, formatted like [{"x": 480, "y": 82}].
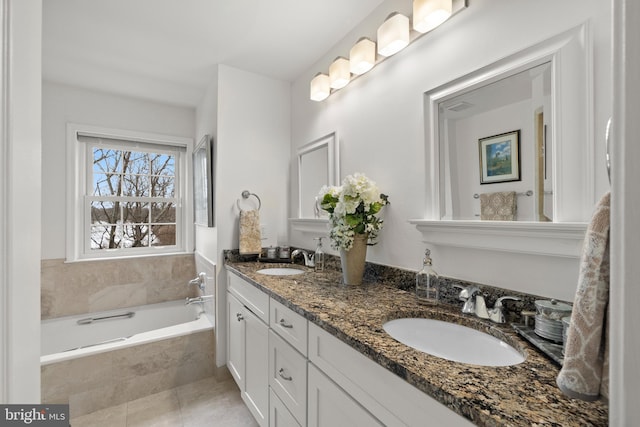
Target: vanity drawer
[
  {"x": 250, "y": 296},
  {"x": 289, "y": 325},
  {"x": 288, "y": 376}
]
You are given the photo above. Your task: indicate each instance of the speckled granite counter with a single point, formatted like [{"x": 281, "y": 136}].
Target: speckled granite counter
[{"x": 521, "y": 395}]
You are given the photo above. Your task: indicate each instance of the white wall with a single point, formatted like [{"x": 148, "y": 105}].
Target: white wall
[
  {"x": 379, "y": 119},
  {"x": 253, "y": 143},
  {"x": 206, "y": 238},
  {"x": 62, "y": 104},
  {"x": 20, "y": 157},
  {"x": 466, "y": 170}
]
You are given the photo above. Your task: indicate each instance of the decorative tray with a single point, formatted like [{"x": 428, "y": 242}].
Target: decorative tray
[{"x": 551, "y": 349}]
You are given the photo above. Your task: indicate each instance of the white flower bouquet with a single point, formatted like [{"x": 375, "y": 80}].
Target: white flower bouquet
[{"x": 353, "y": 208}]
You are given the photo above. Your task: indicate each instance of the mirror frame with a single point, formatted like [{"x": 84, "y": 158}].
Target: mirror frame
[
  {"x": 570, "y": 54},
  {"x": 203, "y": 200},
  {"x": 333, "y": 162}
]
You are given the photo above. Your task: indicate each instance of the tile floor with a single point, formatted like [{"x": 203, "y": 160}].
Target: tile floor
[{"x": 208, "y": 402}]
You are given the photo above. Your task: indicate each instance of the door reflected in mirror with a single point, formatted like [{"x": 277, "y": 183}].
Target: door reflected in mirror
[{"x": 493, "y": 141}]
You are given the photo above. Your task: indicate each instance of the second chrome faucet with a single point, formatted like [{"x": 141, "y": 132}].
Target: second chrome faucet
[{"x": 475, "y": 304}]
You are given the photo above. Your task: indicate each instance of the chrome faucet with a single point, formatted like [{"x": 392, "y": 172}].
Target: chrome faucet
[
  {"x": 198, "y": 300},
  {"x": 466, "y": 295},
  {"x": 478, "y": 305},
  {"x": 308, "y": 259},
  {"x": 199, "y": 281},
  {"x": 496, "y": 314}
]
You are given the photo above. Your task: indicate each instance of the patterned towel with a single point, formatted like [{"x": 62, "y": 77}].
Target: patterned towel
[
  {"x": 585, "y": 371},
  {"x": 250, "y": 239},
  {"x": 501, "y": 206}
]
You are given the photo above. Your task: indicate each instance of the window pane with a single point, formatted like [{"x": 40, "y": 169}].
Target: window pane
[
  {"x": 136, "y": 236},
  {"x": 135, "y": 163},
  {"x": 135, "y": 186},
  {"x": 135, "y": 212},
  {"x": 162, "y": 186},
  {"x": 106, "y": 237},
  {"x": 163, "y": 164},
  {"x": 163, "y": 235},
  {"x": 163, "y": 212},
  {"x": 105, "y": 212}
]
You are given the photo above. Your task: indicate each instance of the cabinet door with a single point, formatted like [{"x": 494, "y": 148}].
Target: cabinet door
[
  {"x": 279, "y": 415},
  {"x": 330, "y": 406},
  {"x": 288, "y": 376},
  {"x": 256, "y": 379},
  {"x": 235, "y": 339}
]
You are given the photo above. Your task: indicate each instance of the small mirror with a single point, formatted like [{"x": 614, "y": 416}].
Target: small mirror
[
  {"x": 317, "y": 166},
  {"x": 203, "y": 182},
  {"x": 495, "y": 155}
]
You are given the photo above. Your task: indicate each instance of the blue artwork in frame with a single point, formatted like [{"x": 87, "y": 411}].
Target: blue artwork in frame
[{"x": 500, "y": 158}]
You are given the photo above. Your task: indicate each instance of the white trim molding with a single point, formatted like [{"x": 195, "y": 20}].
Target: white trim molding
[
  {"x": 316, "y": 226},
  {"x": 534, "y": 238}
]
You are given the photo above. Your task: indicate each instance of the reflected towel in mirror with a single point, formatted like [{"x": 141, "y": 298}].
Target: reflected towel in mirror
[
  {"x": 585, "y": 370},
  {"x": 500, "y": 206},
  {"x": 250, "y": 239}
]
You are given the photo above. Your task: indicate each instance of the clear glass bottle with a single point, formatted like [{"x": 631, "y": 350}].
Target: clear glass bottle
[
  {"x": 318, "y": 256},
  {"x": 427, "y": 282}
]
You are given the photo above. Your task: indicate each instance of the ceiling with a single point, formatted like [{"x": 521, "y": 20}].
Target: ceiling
[{"x": 167, "y": 50}]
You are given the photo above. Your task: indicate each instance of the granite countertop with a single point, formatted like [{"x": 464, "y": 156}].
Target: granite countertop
[{"x": 520, "y": 395}]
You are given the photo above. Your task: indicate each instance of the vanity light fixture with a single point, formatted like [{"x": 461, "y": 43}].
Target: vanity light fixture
[
  {"x": 319, "y": 88},
  {"x": 339, "y": 73},
  {"x": 428, "y": 14},
  {"x": 362, "y": 56},
  {"x": 393, "y": 34}
]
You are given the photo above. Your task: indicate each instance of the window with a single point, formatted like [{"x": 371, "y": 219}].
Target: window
[{"x": 129, "y": 195}]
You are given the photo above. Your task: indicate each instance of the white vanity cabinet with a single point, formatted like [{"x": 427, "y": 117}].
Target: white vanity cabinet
[
  {"x": 288, "y": 359},
  {"x": 247, "y": 345},
  {"x": 292, "y": 373},
  {"x": 330, "y": 406}
]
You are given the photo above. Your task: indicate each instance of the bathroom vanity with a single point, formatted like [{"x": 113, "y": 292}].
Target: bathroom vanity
[{"x": 308, "y": 351}]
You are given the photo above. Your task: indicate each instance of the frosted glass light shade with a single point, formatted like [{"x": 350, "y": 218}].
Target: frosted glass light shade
[
  {"x": 428, "y": 14},
  {"x": 393, "y": 34},
  {"x": 362, "y": 56},
  {"x": 339, "y": 73},
  {"x": 319, "y": 87}
]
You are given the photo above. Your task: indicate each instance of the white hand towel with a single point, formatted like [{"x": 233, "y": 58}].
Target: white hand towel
[
  {"x": 584, "y": 373},
  {"x": 250, "y": 239},
  {"x": 500, "y": 206}
]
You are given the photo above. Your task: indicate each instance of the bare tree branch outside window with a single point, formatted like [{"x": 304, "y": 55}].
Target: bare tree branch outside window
[{"x": 133, "y": 199}]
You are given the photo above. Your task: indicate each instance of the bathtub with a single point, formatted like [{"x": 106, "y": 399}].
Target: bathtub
[{"x": 93, "y": 361}]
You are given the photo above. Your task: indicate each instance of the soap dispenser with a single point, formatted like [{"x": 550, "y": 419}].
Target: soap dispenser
[
  {"x": 427, "y": 282},
  {"x": 318, "y": 256}
]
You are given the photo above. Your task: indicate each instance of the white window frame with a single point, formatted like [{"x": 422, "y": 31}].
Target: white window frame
[{"x": 78, "y": 215}]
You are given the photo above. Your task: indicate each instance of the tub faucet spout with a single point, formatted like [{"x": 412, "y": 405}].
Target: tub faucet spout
[
  {"x": 198, "y": 300},
  {"x": 199, "y": 281}
]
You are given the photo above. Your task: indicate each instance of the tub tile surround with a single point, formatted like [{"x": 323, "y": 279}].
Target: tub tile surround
[
  {"x": 108, "y": 379},
  {"x": 524, "y": 394},
  {"x": 91, "y": 286}
]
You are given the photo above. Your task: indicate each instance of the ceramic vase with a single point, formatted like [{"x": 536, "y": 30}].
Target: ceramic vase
[{"x": 353, "y": 260}]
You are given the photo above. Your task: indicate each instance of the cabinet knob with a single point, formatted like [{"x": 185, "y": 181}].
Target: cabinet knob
[
  {"x": 240, "y": 317},
  {"x": 283, "y": 376},
  {"x": 284, "y": 324}
]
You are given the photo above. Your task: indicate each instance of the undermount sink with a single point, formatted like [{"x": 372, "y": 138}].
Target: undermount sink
[
  {"x": 453, "y": 342},
  {"x": 284, "y": 271}
]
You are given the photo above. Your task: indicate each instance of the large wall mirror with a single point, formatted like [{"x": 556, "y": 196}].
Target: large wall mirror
[
  {"x": 536, "y": 104},
  {"x": 493, "y": 139},
  {"x": 318, "y": 165}
]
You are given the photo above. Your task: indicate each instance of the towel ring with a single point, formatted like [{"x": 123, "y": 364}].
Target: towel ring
[{"x": 245, "y": 195}]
